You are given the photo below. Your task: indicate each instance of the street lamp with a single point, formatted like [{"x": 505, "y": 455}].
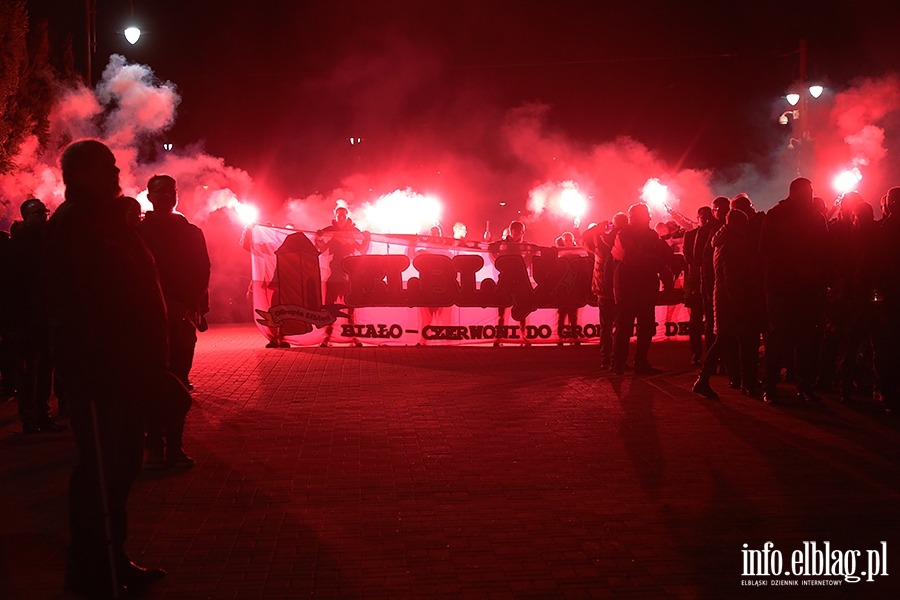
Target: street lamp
[
  {"x": 132, "y": 33},
  {"x": 798, "y": 98}
]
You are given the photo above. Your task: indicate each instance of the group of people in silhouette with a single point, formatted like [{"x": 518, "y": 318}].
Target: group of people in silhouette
[
  {"x": 101, "y": 308},
  {"x": 817, "y": 288}
]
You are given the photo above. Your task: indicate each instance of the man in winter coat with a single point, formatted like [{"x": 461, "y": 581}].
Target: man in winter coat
[
  {"x": 642, "y": 265},
  {"x": 793, "y": 244},
  {"x": 179, "y": 250},
  {"x": 108, "y": 324}
]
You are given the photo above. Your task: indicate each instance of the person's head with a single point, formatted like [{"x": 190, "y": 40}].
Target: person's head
[
  {"x": 863, "y": 215},
  {"x": 435, "y": 231},
  {"x": 162, "y": 193},
  {"x": 459, "y": 230},
  {"x": 672, "y": 227},
  {"x": 34, "y": 213},
  {"x": 737, "y": 220},
  {"x": 517, "y": 230},
  {"x": 704, "y": 215},
  {"x": 819, "y": 206},
  {"x": 568, "y": 239},
  {"x": 131, "y": 210},
  {"x": 849, "y": 202},
  {"x": 801, "y": 190},
  {"x": 639, "y": 215},
  {"x": 661, "y": 229},
  {"x": 341, "y": 215},
  {"x": 892, "y": 201},
  {"x": 620, "y": 220},
  {"x": 89, "y": 172},
  {"x": 742, "y": 203},
  {"x": 721, "y": 206}
]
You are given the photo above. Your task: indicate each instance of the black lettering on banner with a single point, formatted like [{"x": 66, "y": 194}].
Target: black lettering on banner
[
  {"x": 396, "y": 331},
  {"x": 671, "y": 329}
]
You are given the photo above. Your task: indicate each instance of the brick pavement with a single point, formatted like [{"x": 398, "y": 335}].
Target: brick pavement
[{"x": 470, "y": 473}]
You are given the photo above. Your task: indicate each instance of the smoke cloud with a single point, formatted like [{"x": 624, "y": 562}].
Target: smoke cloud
[
  {"x": 482, "y": 162},
  {"x": 130, "y": 110}
]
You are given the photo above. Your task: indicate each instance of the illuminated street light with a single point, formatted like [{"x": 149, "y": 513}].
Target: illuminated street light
[
  {"x": 798, "y": 97},
  {"x": 132, "y": 34}
]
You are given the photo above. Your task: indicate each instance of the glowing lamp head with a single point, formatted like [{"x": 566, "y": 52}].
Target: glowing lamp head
[
  {"x": 847, "y": 181},
  {"x": 247, "y": 213},
  {"x": 816, "y": 90},
  {"x": 132, "y": 34},
  {"x": 792, "y": 99}
]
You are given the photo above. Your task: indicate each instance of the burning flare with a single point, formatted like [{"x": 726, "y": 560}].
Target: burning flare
[
  {"x": 655, "y": 195},
  {"x": 401, "y": 211},
  {"x": 847, "y": 181}
]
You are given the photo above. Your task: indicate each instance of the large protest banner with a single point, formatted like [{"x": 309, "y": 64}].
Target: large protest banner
[{"x": 409, "y": 290}]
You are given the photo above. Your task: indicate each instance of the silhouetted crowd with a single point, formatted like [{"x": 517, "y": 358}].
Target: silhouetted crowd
[
  {"x": 819, "y": 289},
  {"x": 102, "y": 308}
]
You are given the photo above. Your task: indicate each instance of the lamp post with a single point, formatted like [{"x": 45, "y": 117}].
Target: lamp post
[
  {"x": 132, "y": 33},
  {"x": 798, "y": 99}
]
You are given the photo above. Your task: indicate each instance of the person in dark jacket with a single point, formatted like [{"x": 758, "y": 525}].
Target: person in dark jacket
[
  {"x": 182, "y": 261},
  {"x": 108, "y": 329},
  {"x": 340, "y": 239},
  {"x": 887, "y": 282},
  {"x": 7, "y": 351},
  {"x": 29, "y": 330},
  {"x": 600, "y": 243},
  {"x": 701, "y": 255},
  {"x": 642, "y": 265},
  {"x": 793, "y": 244},
  {"x": 736, "y": 301}
]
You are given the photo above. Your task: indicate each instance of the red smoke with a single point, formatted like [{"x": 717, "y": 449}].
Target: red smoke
[{"x": 856, "y": 134}]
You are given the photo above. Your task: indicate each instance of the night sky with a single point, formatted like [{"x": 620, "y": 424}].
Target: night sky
[{"x": 278, "y": 88}]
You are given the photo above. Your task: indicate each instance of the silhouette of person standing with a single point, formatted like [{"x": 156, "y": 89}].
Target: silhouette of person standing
[
  {"x": 511, "y": 244},
  {"x": 109, "y": 334},
  {"x": 29, "y": 331},
  {"x": 570, "y": 314},
  {"x": 182, "y": 261},
  {"x": 340, "y": 239},
  {"x": 793, "y": 242},
  {"x": 642, "y": 265}
]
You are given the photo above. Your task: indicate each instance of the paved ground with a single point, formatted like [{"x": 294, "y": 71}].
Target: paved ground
[{"x": 472, "y": 473}]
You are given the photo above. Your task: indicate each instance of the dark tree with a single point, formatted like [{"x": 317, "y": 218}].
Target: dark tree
[{"x": 27, "y": 82}]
